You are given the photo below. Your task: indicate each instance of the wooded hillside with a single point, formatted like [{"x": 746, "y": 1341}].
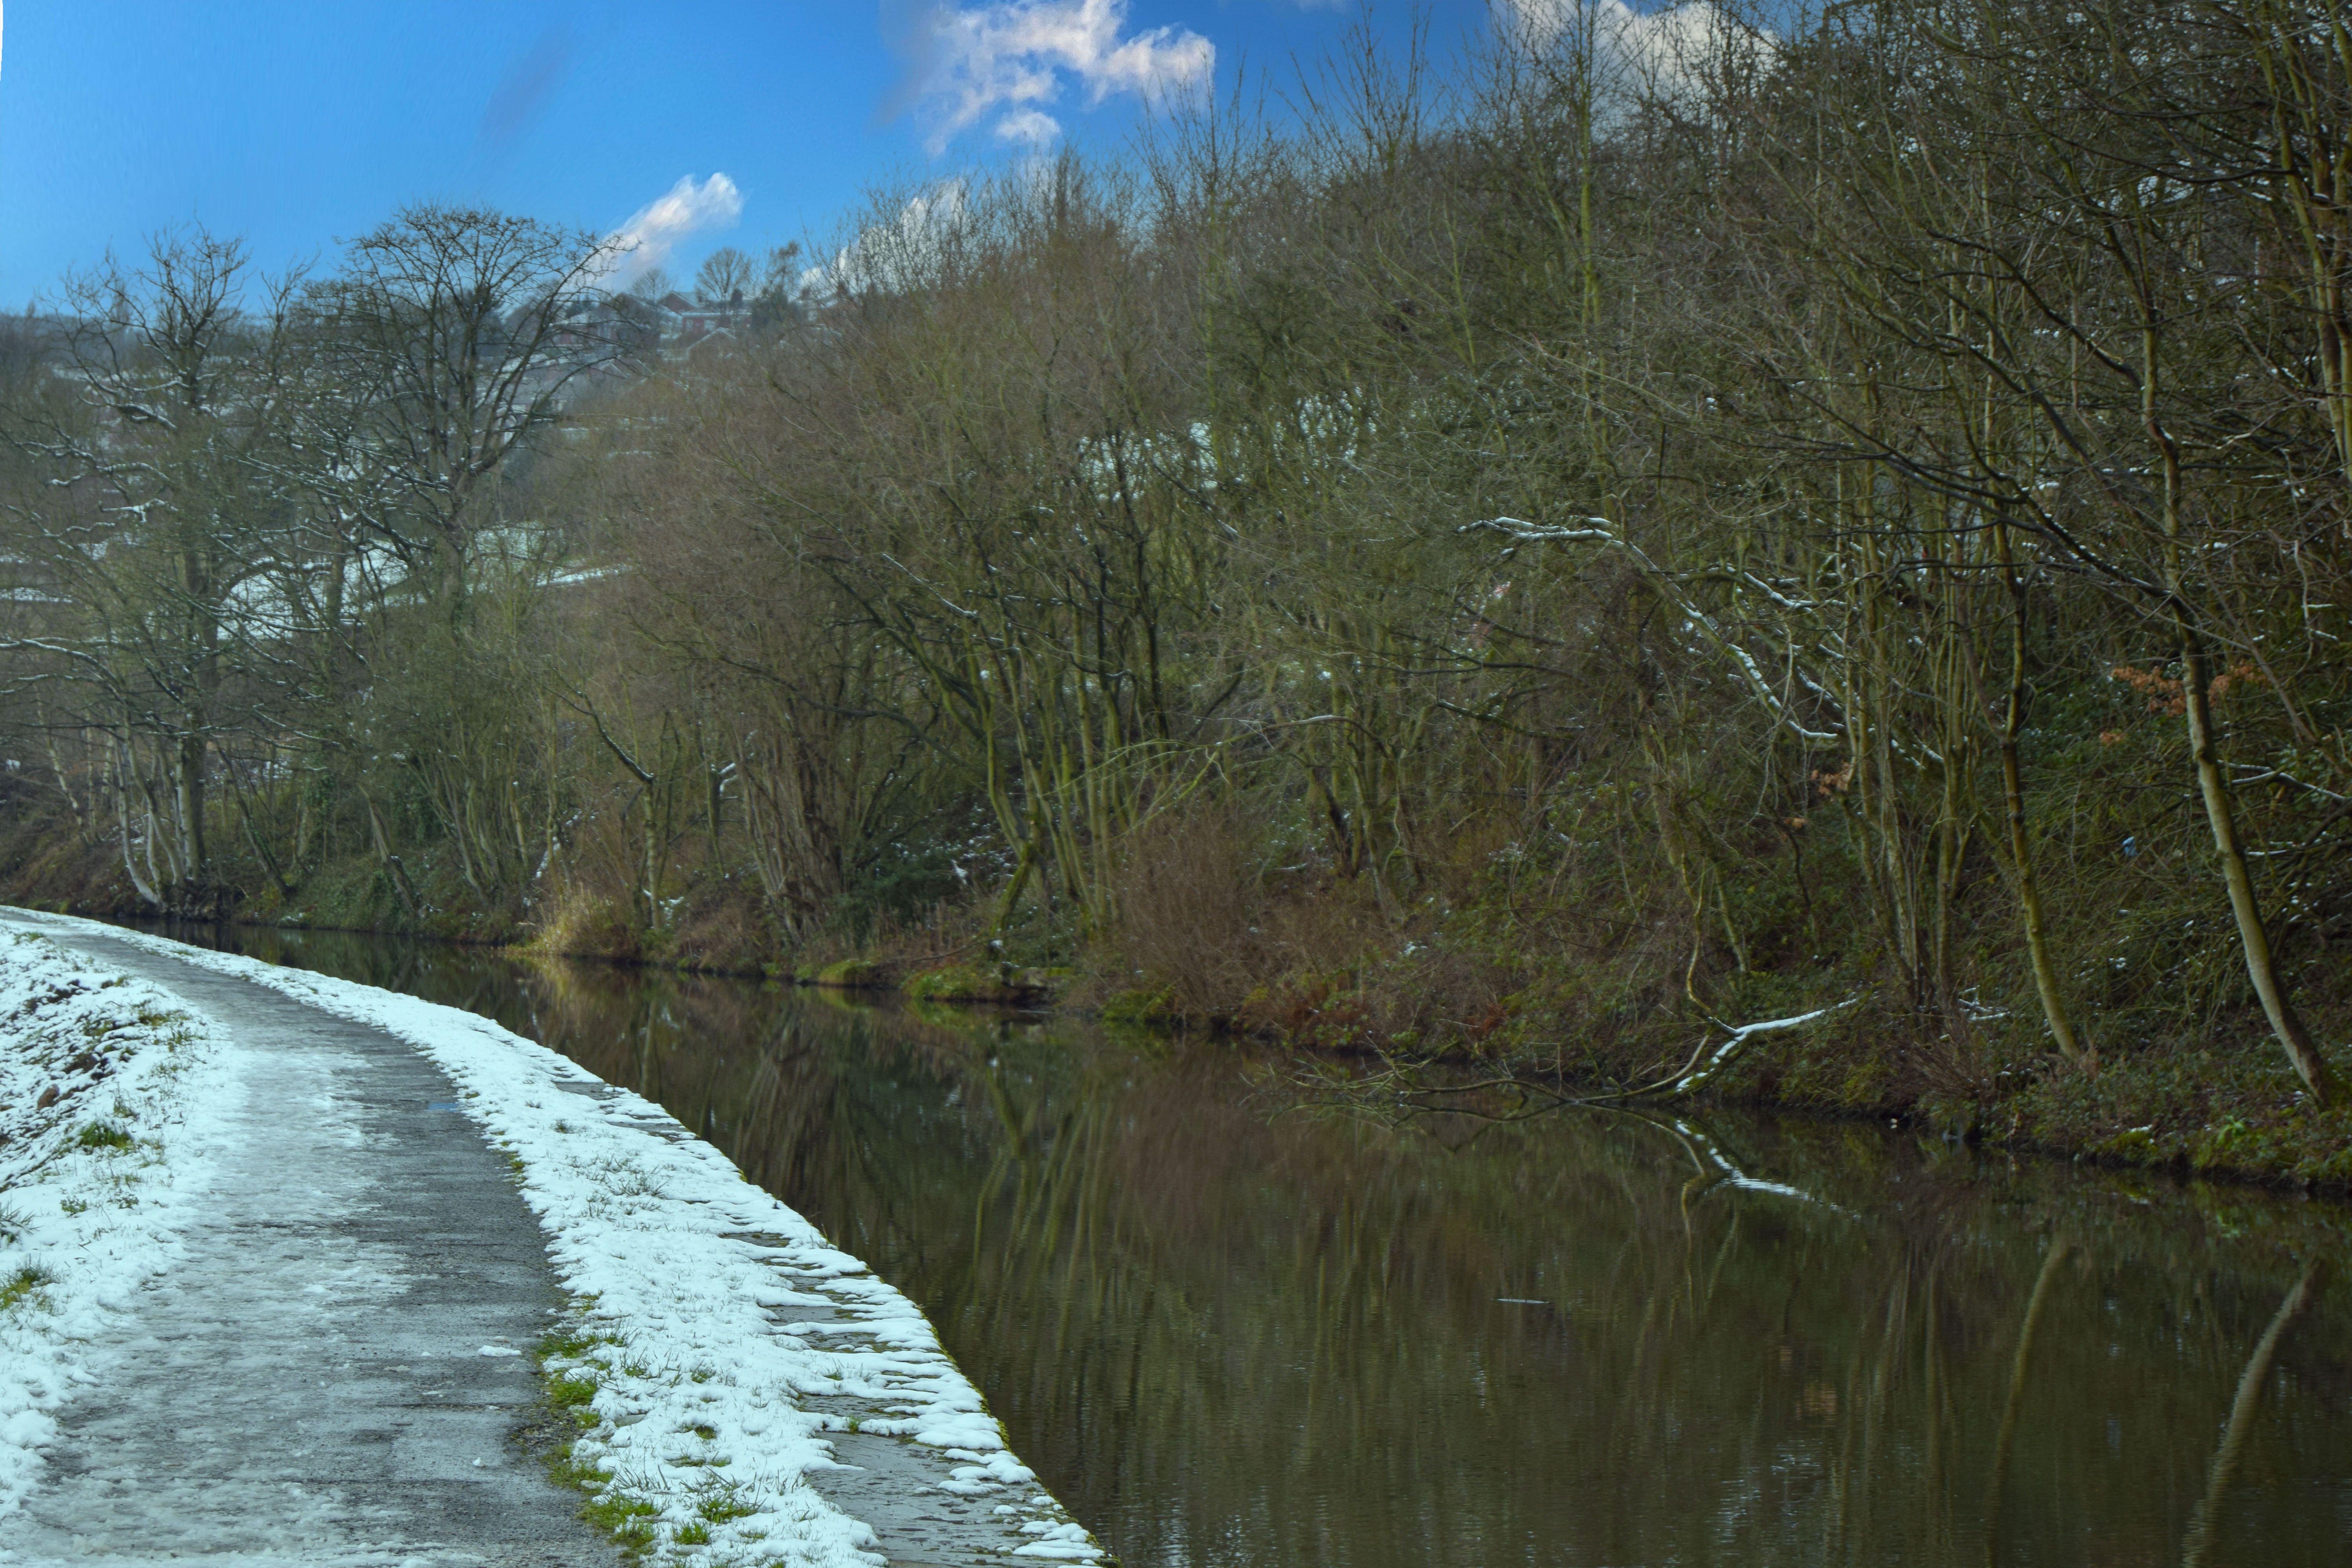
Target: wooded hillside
[{"x": 1557, "y": 559}]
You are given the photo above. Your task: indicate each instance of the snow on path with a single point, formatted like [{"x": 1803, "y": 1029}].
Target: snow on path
[
  {"x": 86, "y": 1222},
  {"x": 724, "y": 1336},
  {"x": 295, "y": 1378}
]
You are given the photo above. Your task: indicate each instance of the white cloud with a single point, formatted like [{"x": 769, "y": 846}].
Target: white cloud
[
  {"x": 655, "y": 229},
  {"x": 1033, "y": 126},
  {"x": 1660, "y": 49},
  {"x": 896, "y": 252},
  {"x": 1014, "y": 56}
]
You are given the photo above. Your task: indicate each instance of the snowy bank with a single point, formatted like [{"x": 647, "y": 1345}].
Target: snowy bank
[
  {"x": 715, "y": 1325},
  {"x": 105, "y": 1082}
]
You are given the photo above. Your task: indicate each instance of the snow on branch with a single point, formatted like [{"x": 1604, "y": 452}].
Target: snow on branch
[
  {"x": 1601, "y": 531},
  {"x": 1696, "y": 1072}
]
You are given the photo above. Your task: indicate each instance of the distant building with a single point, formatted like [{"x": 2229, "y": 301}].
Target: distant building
[{"x": 688, "y": 322}]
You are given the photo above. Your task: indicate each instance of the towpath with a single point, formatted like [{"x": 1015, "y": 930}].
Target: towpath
[
  {"x": 334, "y": 1373},
  {"x": 310, "y": 1383}
]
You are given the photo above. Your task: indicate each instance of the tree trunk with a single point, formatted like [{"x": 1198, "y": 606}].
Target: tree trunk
[
  {"x": 2012, "y": 791},
  {"x": 195, "y": 860},
  {"x": 2212, "y": 786},
  {"x": 123, "y": 811},
  {"x": 2261, "y": 968}
]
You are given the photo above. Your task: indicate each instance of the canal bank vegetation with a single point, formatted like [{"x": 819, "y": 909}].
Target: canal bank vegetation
[{"x": 1558, "y": 557}]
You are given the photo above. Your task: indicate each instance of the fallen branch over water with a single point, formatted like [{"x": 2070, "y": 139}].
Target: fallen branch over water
[
  {"x": 1395, "y": 1087},
  {"x": 1695, "y": 1073}
]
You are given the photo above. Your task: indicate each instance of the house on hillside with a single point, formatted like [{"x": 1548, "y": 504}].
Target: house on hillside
[{"x": 688, "y": 322}]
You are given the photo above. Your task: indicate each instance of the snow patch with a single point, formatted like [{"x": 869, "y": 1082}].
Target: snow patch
[{"x": 107, "y": 1083}]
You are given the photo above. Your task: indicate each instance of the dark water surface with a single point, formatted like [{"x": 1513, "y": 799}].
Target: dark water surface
[{"x": 1228, "y": 1337}]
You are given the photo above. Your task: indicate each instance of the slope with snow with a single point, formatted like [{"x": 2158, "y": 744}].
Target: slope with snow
[{"x": 106, "y": 1085}]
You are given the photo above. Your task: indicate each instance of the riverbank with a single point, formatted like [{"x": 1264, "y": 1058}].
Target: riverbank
[
  {"x": 2210, "y": 1097},
  {"x": 724, "y": 1359}
]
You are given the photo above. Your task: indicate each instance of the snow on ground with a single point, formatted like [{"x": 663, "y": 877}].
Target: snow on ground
[
  {"x": 105, "y": 1086},
  {"x": 709, "y": 1310}
]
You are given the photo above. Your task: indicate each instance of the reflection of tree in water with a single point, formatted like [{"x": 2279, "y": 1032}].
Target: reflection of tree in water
[{"x": 1226, "y": 1337}]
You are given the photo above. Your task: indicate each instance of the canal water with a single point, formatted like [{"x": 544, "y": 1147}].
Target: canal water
[{"x": 1228, "y": 1330}]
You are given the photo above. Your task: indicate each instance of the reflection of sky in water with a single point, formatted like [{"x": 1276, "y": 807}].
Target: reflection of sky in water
[{"x": 1226, "y": 1337}]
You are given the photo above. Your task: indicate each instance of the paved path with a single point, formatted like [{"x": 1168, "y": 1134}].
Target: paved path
[{"x": 306, "y": 1386}]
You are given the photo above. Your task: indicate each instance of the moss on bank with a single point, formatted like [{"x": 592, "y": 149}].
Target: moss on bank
[
  {"x": 1001, "y": 985},
  {"x": 846, "y": 975}
]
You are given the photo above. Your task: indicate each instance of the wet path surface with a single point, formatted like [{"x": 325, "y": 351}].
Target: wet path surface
[
  {"x": 308, "y": 1386},
  {"x": 1227, "y": 1335}
]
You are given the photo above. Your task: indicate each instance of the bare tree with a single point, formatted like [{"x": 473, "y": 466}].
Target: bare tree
[
  {"x": 163, "y": 515},
  {"x": 453, "y": 335},
  {"x": 725, "y": 275}
]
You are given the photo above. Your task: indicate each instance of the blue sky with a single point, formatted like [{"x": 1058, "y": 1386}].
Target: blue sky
[{"x": 295, "y": 123}]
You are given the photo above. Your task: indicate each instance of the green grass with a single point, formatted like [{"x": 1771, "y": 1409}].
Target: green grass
[
  {"x": 103, "y": 1135},
  {"x": 571, "y": 1391},
  {"x": 575, "y": 1342},
  {"x": 22, "y": 1284},
  {"x": 722, "y": 1501},
  {"x": 627, "y": 1521},
  {"x": 574, "y": 1388}
]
